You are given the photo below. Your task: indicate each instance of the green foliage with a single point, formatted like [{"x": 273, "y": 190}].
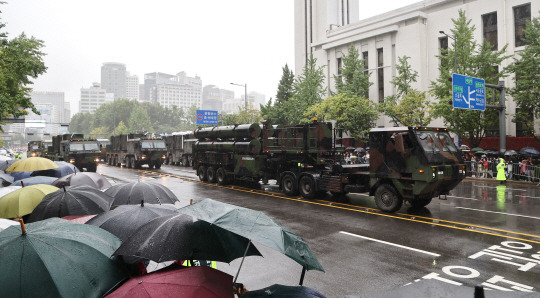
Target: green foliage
[
  {"x": 100, "y": 132},
  {"x": 357, "y": 115},
  {"x": 354, "y": 80},
  {"x": 121, "y": 129},
  {"x": 244, "y": 116},
  {"x": 308, "y": 91},
  {"x": 278, "y": 112},
  {"x": 139, "y": 120},
  {"x": 285, "y": 88},
  {"x": 21, "y": 60},
  {"x": 475, "y": 61},
  {"x": 2, "y": 143},
  {"x": 81, "y": 123},
  {"x": 526, "y": 68},
  {"x": 408, "y": 107}
]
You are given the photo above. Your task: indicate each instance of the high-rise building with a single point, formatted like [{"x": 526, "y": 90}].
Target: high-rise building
[
  {"x": 141, "y": 93},
  {"x": 92, "y": 98},
  {"x": 132, "y": 87},
  {"x": 51, "y": 106},
  {"x": 173, "y": 90},
  {"x": 113, "y": 79},
  {"x": 214, "y": 97}
]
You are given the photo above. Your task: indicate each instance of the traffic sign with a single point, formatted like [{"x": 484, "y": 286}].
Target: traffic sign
[
  {"x": 207, "y": 117},
  {"x": 468, "y": 92}
]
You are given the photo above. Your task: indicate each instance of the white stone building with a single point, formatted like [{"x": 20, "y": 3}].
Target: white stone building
[
  {"x": 173, "y": 90},
  {"x": 132, "y": 87},
  {"x": 92, "y": 98},
  {"x": 326, "y": 29}
]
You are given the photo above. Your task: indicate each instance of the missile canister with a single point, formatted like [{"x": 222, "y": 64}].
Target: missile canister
[
  {"x": 204, "y": 133},
  {"x": 251, "y": 147}
]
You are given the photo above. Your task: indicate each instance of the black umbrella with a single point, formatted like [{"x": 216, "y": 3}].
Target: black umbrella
[
  {"x": 126, "y": 219},
  {"x": 135, "y": 192},
  {"x": 83, "y": 178},
  {"x": 510, "y": 153},
  {"x": 4, "y": 164},
  {"x": 179, "y": 237},
  {"x": 529, "y": 151},
  {"x": 282, "y": 291},
  {"x": 5, "y": 179},
  {"x": 72, "y": 200}
]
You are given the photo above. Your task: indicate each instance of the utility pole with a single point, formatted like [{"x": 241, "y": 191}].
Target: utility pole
[{"x": 501, "y": 107}]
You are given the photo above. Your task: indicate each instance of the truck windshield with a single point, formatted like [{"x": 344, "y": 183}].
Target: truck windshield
[
  {"x": 438, "y": 146},
  {"x": 35, "y": 147},
  {"x": 153, "y": 145},
  {"x": 83, "y": 147}
]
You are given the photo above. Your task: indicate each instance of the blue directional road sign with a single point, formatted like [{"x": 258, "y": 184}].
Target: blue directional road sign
[
  {"x": 468, "y": 92},
  {"x": 207, "y": 117}
]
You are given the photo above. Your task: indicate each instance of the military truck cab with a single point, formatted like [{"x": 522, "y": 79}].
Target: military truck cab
[
  {"x": 75, "y": 149},
  {"x": 34, "y": 149},
  {"x": 135, "y": 150}
]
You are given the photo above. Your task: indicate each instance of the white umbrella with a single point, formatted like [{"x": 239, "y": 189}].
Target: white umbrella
[
  {"x": 5, "y": 190},
  {"x": 5, "y": 223},
  {"x": 3, "y": 157}
]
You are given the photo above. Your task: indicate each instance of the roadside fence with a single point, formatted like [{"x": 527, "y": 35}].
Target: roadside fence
[{"x": 514, "y": 171}]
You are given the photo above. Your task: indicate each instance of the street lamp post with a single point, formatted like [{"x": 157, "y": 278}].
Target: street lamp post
[
  {"x": 455, "y": 49},
  {"x": 245, "y": 95}
]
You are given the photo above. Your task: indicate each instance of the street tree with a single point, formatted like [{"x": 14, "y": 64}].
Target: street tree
[
  {"x": 354, "y": 79},
  {"x": 21, "y": 60},
  {"x": 139, "y": 120},
  {"x": 408, "y": 107},
  {"x": 121, "y": 129},
  {"x": 526, "y": 69},
  {"x": 100, "y": 132},
  {"x": 474, "y": 60},
  {"x": 81, "y": 123},
  {"x": 277, "y": 113}
]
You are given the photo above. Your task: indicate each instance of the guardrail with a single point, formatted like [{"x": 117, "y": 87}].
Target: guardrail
[{"x": 514, "y": 171}]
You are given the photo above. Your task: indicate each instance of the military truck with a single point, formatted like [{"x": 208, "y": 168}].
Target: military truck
[
  {"x": 135, "y": 150},
  {"x": 180, "y": 148},
  {"x": 103, "y": 143},
  {"x": 412, "y": 164},
  {"x": 75, "y": 149},
  {"x": 34, "y": 149}
]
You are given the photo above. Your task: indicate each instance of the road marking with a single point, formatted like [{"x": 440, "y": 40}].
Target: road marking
[
  {"x": 499, "y": 212},
  {"x": 522, "y": 196},
  {"x": 463, "y": 198},
  {"x": 393, "y": 244}
]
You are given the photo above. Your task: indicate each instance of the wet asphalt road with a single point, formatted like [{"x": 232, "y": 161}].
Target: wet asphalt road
[{"x": 482, "y": 234}]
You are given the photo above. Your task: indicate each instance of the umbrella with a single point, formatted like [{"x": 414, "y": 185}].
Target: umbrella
[
  {"x": 64, "y": 168},
  {"x": 5, "y": 178},
  {"x": 135, "y": 192},
  {"x": 199, "y": 281},
  {"x": 256, "y": 226},
  {"x": 5, "y": 223},
  {"x": 126, "y": 219},
  {"x": 5, "y": 190},
  {"x": 492, "y": 152},
  {"x": 72, "y": 200},
  {"x": 84, "y": 178},
  {"x": 80, "y": 219},
  {"x": 476, "y": 149},
  {"x": 4, "y": 158},
  {"x": 349, "y": 148},
  {"x": 32, "y": 164},
  {"x": 23, "y": 201},
  {"x": 464, "y": 147},
  {"x": 510, "y": 153},
  {"x": 361, "y": 150},
  {"x": 35, "y": 180},
  {"x": 5, "y": 164},
  {"x": 529, "y": 151},
  {"x": 56, "y": 258},
  {"x": 179, "y": 237},
  {"x": 277, "y": 291}
]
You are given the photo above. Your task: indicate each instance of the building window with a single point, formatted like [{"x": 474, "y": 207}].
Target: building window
[
  {"x": 365, "y": 57},
  {"x": 339, "y": 66},
  {"x": 489, "y": 24},
  {"x": 380, "y": 74},
  {"x": 522, "y": 14}
]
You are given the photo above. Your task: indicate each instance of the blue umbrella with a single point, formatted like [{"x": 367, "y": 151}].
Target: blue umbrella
[
  {"x": 21, "y": 175},
  {"x": 529, "y": 151},
  {"x": 35, "y": 180},
  {"x": 64, "y": 169}
]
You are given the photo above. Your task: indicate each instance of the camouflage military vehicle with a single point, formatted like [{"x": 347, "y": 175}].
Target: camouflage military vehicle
[
  {"x": 103, "y": 143},
  {"x": 135, "y": 150},
  {"x": 411, "y": 164},
  {"x": 75, "y": 149},
  {"x": 34, "y": 149},
  {"x": 180, "y": 148}
]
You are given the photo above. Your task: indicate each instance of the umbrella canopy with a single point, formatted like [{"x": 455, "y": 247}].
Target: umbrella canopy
[
  {"x": 32, "y": 164},
  {"x": 360, "y": 150},
  {"x": 35, "y": 180},
  {"x": 199, "y": 281},
  {"x": 135, "y": 192},
  {"x": 179, "y": 237},
  {"x": 476, "y": 149},
  {"x": 83, "y": 178},
  {"x": 72, "y": 200},
  {"x": 126, "y": 219},
  {"x": 492, "y": 152},
  {"x": 282, "y": 291},
  {"x": 5, "y": 178},
  {"x": 529, "y": 151},
  {"x": 5, "y": 164},
  {"x": 80, "y": 219},
  {"x": 4, "y": 158},
  {"x": 5, "y": 190},
  {"x": 5, "y": 223},
  {"x": 56, "y": 258},
  {"x": 464, "y": 147},
  {"x": 350, "y": 148},
  {"x": 64, "y": 168},
  {"x": 510, "y": 153},
  {"x": 256, "y": 226},
  {"x": 24, "y": 200}
]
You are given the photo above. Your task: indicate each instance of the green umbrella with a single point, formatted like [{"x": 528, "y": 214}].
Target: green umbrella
[
  {"x": 256, "y": 226},
  {"x": 475, "y": 149},
  {"x": 24, "y": 200},
  {"x": 57, "y": 258}
]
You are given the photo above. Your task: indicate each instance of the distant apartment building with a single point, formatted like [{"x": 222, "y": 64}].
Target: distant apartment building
[
  {"x": 141, "y": 93},
  {"x": 214, "y": 97},
  {"x": 113, "y": 79},
  {"x": 92, "y": 98},
  {"x": 173, "y": 90},
  {"x": 132, "y": 87},
  {"x": 233, "y": 105}
]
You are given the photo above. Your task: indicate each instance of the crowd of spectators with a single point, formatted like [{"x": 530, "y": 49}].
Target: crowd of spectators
[{"x": 518, "y": 167}]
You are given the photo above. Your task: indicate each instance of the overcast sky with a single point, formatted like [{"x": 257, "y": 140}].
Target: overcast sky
[{"x": 222, "y": 41}]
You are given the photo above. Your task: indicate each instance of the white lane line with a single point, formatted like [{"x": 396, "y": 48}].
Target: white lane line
[
  {"x": 463, "y": 198},
  {"x": 522, "y": 196},
  {"x": 499, "y": 212},
  {"x": 393, "y": 244}
]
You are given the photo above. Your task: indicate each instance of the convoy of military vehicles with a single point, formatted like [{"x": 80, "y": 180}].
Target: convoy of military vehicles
[{"x": 413, "y": 164}]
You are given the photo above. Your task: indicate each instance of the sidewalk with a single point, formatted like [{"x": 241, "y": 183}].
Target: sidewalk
[{"x": 508, "y": 182}]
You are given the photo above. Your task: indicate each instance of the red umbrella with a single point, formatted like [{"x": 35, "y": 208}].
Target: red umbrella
[
  {"x": 198, "y": 281},
  {"x": 81, "y": 219}
]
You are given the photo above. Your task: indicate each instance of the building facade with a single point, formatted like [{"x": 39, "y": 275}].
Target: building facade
[
  {"x": 113, "y": 79},
  {"x": 173, "y": 90},
  {"x": 214, "y": 97},
  {"x": 132, "y": 87},
  {"x": 412, "y": 31},
  {"x": 92, "y": 98}
]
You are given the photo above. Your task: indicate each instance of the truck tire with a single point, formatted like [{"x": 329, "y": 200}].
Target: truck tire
[
  {"x": 211, "y": 174},
  {"x": 387, "y": 198},
  {"x": 136, "y": 164},
  {"x": 221, "y": 176},
  {"x": 307, "y": 187},
  {"x": 202, "y": 173},
  {"x": 420, "y": 203},
  {"x": 289, "y": 185},
  {"x": 158, "y": 165}
]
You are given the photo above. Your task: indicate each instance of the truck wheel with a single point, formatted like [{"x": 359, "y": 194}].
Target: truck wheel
[
  {"x": 136, "y": 164},
  {"x": 211, "y": 174},
  {"x": 221, "y": 177},
  {"x": 420, "y": 203},
  {"x": 157, "y": 165},
  {"x": 288, "y": 184},
  {"x": 202, "y": 173},
  {"x": 307, "y": 187},
  {"x": 387, "y": 199}
]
